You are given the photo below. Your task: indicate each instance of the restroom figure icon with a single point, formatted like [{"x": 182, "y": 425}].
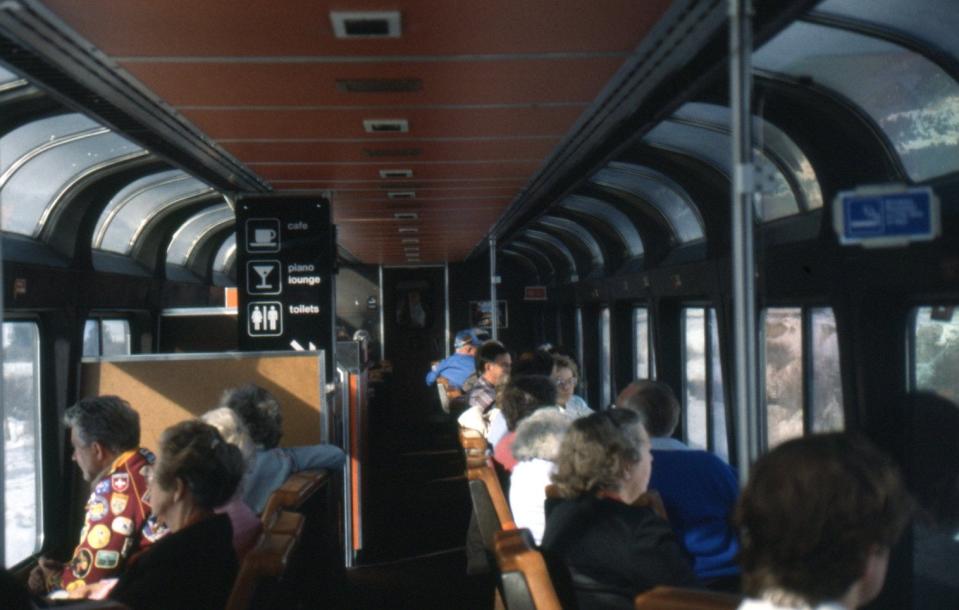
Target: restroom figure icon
[
  {"x": 263, "y": 235},
  {"x": 264, "y": 319}
]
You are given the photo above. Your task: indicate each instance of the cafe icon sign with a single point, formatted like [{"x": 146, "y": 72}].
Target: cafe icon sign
[{"x": 263, "y": 235}]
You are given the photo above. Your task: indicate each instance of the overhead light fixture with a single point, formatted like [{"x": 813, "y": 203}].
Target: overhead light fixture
[
  {"x": 401, "y": 194},
  {"x": 406, "y": 216},
  {"x": 396, "y": 173},
  {"x": 409, "y": 230},
  {"x": 386, "y": 125},
  {"x": 410, "y": 240},
  {"x": 366, "y": 24}
]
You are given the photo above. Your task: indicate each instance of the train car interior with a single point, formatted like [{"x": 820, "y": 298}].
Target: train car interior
[{"x": 756, "y": 203}]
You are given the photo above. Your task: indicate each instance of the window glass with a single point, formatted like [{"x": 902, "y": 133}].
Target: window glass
[
  {"x": 194, "y": 230},
  {"x": 641, "y": 347},
  {"x": 658, "y": 191},
  {"x": 605, "y": 368},
  {"x": 20, "y": 141},
  {"x": 225, "y": 255},
  {"x": 6, "y": 75},
  {"x": 135, "y": 205},
  {"x": 694, "y": 377},
  {"x": 826, "y": 380},
  {"x": 116, "y": 337},
  {"x": 717, "y": 407},
  {"x": 36, "y": 184},
  {"x": 910, "y": 98},
  {"x": 784, "y": 374},
  {"x": 936, "y": 358},
  {"x": 91, "y": 339},
  {"x": 611, "y": 216},
  {"x": 21, "y": 428}
]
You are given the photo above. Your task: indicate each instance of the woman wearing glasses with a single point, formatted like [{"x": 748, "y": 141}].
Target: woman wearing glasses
[{"x": 565, "y": 376}]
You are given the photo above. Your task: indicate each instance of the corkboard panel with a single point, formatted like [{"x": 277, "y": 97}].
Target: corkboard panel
[{"x": 165, "y": 391}]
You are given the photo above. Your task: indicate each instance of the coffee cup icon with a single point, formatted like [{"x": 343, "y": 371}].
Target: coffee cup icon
[{"x": 264, "y": 237}]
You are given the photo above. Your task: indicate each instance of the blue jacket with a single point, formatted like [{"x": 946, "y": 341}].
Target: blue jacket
[
  {"x": 456, "y": 369},
  {"x": 699, "y": 491},
  {"x": 272, "y": 467}
]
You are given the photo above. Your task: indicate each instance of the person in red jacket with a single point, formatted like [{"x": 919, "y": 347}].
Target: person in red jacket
[{"x": 105, "y": 434}]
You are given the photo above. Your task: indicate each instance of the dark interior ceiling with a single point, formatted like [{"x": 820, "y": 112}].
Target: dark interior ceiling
[{"x": 493, "y": 88}]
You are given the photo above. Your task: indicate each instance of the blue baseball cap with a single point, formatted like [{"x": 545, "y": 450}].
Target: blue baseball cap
[{"x": 467, "y": 337}]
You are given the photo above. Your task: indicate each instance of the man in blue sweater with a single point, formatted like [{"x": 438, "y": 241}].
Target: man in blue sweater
[
  {"x": 461, "y": 364},
  {"x": 698, "y": 489}
]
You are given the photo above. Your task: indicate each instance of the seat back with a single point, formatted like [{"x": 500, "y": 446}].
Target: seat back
[
  {"x": 267, "y": 561},
  {"x": 673, "y": 598},
  {"x": 294, "y": 493},
  {"x": 523, "y": 573},
  {"x": 441, "y": 390},
  {"x": 474, "y": 448},
  {"x": 495, "y": 498},
  {"x": 650, "y": 499}
]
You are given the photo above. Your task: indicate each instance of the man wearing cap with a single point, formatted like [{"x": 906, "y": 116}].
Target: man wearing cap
[{"x": 461, "y": 364}]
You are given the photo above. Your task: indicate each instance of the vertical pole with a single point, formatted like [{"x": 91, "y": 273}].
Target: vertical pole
[
  {"x": 3, "y": 426},
  {"x": 745, "y": 380},
  {"x": 493, "y": 280},
  {"x": 446, "y": 297},
  {"x": 382, "y": 319}
]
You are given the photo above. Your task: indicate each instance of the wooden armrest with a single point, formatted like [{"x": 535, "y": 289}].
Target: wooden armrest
[
  {"x": 673, "y": 598},
  {"x": 515, "y": 553},
  {"x": 294, "y": 492},
  {"x": 287, "y": 522},
  {"x": 267, "y": 560}
]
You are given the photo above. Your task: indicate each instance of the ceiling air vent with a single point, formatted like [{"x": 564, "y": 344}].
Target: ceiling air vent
[
  {"x": 410, "y": 240},
  {"x": 378, "y": 85},
  {"x": 366, "y": 24},
  {"x": 401, "y": 194},
  {"x": 386, "y": 125},
  {"x": 396, "y": 173},
  {"x": 406, "y": 216},
  {"x": 409, "y": 230},
  {"x": 377, "y": 153}
]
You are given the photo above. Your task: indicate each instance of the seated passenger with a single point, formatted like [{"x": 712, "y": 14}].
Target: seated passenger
[
  {"x": 566, "y": 375},
  {"x": 460, "y": 364},
  {"x": 193, "y": 567},
  {"x": 246, "y": 525},
  {"x": 522, "y": 395},
  {"x": 492, "y": 366},
  {"x": 614, "y": 550},
  {"x": 105, "y": 434},
  {"x": 537, "y": 443},
  {"x": 272, "y": 464},
  {"x": 698, "y": 489},
  {"x": 816, "y": 523}
]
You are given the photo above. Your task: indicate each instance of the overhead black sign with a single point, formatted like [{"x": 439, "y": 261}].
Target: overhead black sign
[{"x": 285, "y": 260}]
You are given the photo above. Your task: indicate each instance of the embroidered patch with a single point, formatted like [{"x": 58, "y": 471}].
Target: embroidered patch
[
  {"x": 122, "y": 526},
  {"x": 118, "y": 503},
  {"x": 97, "y": 508},
  {"x": 99, "y": 536},
  {"x": 152, "y": 530},
  {"x": 102, "y": 487},
  {"x": 107, "y": 560},
  {"x": 80, "y": 564},
  {"x": 148, "y": 455},
  {"x": 75, "y": 585},
  {"x": 120, "y": 481}
]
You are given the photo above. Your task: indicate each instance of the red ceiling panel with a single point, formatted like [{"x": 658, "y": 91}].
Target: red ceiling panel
[
  {"x": 274, "y": 152},
  {"x": 370, "y": 171}
]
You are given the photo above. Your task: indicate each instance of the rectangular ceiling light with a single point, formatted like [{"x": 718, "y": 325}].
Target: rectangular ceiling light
[
  {"x": 406, "y": 216},
  {"x": 386, "y": 125},
  {"x": 401, "y": 194},
  {"x": 409, "y": 230},
  {"x": 378, "y": 85},
  {"x": 396, "y": 173},
  {"x": 366, "y": 24},
  {"x": 410, "y": 240}
]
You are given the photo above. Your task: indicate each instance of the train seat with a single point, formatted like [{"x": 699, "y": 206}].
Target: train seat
[
  {"x": 525, "y": 579},
  {"x": 294, "y": 493},
  {"x": 673, "y": 598},
  {"x": 266, "y": 563}
]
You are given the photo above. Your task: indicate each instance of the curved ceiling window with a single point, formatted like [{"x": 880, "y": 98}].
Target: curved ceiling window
[
  {"x": 780, "y": 160},
  {"x": 42, "y": 172},
  {"x": 659, "y": 191},
  {"x": 913, "y": 101},
  {"x": 225, "y": 255},
  {"x": 712, "y": 145},
  {"x": 195, "y": 230},
  {"x": 611, "y": 216},
  {"x": 138, "y": 203}
]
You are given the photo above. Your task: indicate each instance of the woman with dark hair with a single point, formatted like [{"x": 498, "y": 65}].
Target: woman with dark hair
[
  {"x": 192, "y": 567},
  {"x": 613, "y": 550},
  {"x": 816, "y": 523}
]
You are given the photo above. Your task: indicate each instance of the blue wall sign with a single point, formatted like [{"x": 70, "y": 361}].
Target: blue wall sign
[{"x": 886, "y": 216}]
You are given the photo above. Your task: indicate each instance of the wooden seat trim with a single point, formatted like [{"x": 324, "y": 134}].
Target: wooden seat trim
[
  {"x": 487, "y": 475},
  {"x": 269, "y": 559},
  {"x": 287, "y": 522},
  {"x": 674, "y": 598},
  {"x": 515, "y": 554},
  {"x": 294, "y": 492}
]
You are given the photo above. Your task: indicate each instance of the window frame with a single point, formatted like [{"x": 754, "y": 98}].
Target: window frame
[{"x": 708, "y": 377}]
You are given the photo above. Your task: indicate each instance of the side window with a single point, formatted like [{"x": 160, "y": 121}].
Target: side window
[
  {"x": 106, "y": 337},
  {"x": 936, "y": 351},
  {"x": 797, "y": 340},
  {"x": 23, "y": 533},
  {"x": 605, "y": 355},
  {"x": 703, "y": 406},
  {"x": 643, "y": 365}
]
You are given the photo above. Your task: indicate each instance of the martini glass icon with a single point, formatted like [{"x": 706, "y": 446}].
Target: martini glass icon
[{"x": 263, "y": 271}]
